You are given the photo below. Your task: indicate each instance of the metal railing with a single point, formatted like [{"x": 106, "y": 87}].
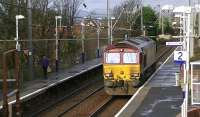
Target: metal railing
[{"x": 7, "y": 109}]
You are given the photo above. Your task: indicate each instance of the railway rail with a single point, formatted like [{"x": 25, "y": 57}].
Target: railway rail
[
  {"x": 81, "y": 101},
  {"x": 100, "y": 108},
  {"x": 75, "y": 92},
  {"x": 111, "y": 107},
  {"x": 85, "y": 106}
]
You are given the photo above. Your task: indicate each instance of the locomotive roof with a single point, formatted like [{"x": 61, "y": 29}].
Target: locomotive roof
[
  {"x": 134, "y": 42},
  {"x": 141, "y": 41},
  {"x": 138, "y": 42}
]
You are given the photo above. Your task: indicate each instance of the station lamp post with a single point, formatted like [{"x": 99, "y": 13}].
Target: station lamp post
[
  {"x": 111, "y": 32},
  {"x": 141, "y": 18},
  {"x": 82, "y": 39},
  {"x": 98, "y": 46},
  {"x": 57, "y": 61},
  {"x": 98, "y": 33},
  {"x": 108, "y": 18},
  {"x": 162, "y": 22},
  {"x": 18, "y": 17}
]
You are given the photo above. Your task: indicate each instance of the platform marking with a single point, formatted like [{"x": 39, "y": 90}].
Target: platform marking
[
  {"x": 138, "y": 91},
  {"x": 52, "y": 84}
]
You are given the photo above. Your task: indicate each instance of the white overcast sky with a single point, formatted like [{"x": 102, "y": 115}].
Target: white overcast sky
[{"x": 102, "y": 4}]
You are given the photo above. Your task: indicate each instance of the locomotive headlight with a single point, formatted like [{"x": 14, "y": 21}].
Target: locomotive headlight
[
  {"x": 108, "y": 74},
  {"x": 135, "y": 74}
]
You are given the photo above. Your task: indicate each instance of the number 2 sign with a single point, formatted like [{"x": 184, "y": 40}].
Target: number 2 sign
[{"x": 180, "y": 56}]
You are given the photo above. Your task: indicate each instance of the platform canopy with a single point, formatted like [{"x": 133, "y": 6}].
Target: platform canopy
[{"x": 195, "y": 62}]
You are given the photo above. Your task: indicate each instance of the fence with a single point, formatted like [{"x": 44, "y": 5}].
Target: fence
[{"x": 69, "y": 54}]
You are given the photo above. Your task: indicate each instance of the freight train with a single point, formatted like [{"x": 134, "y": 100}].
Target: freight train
[{"x": 126, "y": 63}]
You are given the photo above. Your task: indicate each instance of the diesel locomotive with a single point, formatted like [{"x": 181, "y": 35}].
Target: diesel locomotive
[{"x": 126, "y": 63}]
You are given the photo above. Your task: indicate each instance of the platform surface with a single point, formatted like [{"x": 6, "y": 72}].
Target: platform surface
[
  {"x": 159, "y": 97},
  {"x": 33, "y": 87}
]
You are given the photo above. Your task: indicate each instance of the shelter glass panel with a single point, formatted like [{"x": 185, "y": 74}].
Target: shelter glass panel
[
  {"x": 195, "y": 77},
  {"x": 196, "y": 93},
  {"x": 196, "y": 74}
]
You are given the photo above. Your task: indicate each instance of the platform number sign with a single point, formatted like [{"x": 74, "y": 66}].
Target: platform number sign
[{"x": 180, "y": 57}]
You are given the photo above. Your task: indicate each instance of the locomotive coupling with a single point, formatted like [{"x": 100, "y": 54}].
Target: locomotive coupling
[{"x": 114, "y": 83}]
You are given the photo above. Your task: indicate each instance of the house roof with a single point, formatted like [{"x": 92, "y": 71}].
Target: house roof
[{"x": 167, "y": 7}]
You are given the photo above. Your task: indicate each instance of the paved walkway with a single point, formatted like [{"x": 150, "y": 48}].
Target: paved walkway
[
  {"x": 159, "y": 97},
  {"x": 33, "y": 87}
]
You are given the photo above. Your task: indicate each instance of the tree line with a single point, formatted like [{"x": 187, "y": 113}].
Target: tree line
[
  {"x": 44, "y": 12},
  {"x": 43, "y": 16}
]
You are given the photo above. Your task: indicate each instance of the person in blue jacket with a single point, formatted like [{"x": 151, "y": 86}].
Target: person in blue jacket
[{"x": 45, "y": 64}]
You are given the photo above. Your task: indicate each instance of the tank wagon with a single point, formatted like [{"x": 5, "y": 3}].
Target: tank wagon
[{"x": 126, "y": 63}]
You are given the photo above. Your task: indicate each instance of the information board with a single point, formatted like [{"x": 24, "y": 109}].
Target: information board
[{"x": 174, "y": 43}]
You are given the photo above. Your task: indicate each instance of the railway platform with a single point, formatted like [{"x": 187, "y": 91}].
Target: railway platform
[
  {"x": 158, "y": 97},
  {"x": 32, "y": 88}
]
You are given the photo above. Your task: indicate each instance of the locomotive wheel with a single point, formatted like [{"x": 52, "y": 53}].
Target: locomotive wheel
[{"x": 120, "y": 83}]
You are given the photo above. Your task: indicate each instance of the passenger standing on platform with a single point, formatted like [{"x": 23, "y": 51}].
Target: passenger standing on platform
[{"x": 45, "y": 64}]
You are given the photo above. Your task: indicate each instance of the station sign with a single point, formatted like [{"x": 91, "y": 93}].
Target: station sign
[
  {"x": 180, "y": 57},
  {"x": 174, "y": 43}
]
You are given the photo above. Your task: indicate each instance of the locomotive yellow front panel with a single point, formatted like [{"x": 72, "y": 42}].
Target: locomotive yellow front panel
[{"x": 121, "y": 72}]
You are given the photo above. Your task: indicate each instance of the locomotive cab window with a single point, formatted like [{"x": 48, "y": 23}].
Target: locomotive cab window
[
  {"x": 112, "y": 58},
  {"x": 130, "y": 58}
]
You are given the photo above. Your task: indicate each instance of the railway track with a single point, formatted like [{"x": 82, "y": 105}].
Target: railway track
[
  {"x": 110, "y": 108},
  {"x": 88, "y": 105},
  {"x": 79, "y": 102},
  {"x": 72, "y": 95},
  {"x": 101, "y": 107},
  {"x": 165, "y": 54},
  {"x": 88, "y": 96}
]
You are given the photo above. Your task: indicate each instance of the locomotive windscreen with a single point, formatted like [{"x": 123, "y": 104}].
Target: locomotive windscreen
[
  {"x": 130, "y": 58},
  {"x": 112, "y": 58}
]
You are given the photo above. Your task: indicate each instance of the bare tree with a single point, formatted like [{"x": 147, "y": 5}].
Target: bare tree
[
  {"x": 43, "y": 17},
  {"x": 129, "y": 11},
  {"x": 68, "y": 9},
  {"x": 7, "y": 23}
]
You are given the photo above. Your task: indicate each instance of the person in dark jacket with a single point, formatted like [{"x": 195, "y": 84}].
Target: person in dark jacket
[{"x": 45, "y": 64}]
